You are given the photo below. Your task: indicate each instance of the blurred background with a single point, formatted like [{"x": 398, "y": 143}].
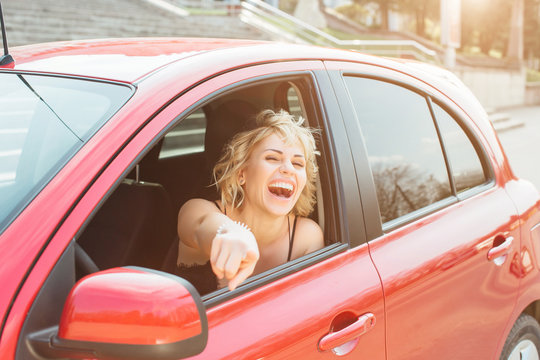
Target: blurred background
[{"x": 493, "y": 46}]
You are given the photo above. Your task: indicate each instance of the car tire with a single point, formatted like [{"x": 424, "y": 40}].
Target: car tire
[{"x": 523, "y": 342}]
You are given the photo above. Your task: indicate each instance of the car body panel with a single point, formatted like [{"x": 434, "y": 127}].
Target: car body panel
[
  {"x": 291, "y": 314},
  {"x": 525, "y": 198},
  {"x": 446, "y": 291}
]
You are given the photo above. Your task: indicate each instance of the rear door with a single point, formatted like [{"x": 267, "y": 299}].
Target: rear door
[{"x": 442, "y": 232}]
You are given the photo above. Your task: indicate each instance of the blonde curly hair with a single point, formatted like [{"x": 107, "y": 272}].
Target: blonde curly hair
[{"x": 238, "y": 149}]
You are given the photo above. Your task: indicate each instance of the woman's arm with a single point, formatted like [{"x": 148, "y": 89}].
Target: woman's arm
[
  {"x": 198, "y": 221},
  {"x": 230, "y": 246}
]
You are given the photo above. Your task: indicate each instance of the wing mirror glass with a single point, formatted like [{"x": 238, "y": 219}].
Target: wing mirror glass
[{"x": 128, "y": 312}]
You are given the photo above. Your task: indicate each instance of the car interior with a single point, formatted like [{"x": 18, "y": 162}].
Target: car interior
[{"x": 136, "y": 225}]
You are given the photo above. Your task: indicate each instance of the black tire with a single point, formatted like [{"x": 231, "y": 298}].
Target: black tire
[{"x": 523, "y": 342}]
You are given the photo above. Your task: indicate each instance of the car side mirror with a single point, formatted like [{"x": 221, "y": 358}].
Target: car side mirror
[{"x": 127, "y": 313}]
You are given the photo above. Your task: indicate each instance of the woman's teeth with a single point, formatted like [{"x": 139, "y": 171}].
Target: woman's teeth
[{"x": 281, "y": 189}]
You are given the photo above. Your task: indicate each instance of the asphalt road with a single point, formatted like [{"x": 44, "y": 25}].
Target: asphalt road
[{"x": 522, "y": 144}]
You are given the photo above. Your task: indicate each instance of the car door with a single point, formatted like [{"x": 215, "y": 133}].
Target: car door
[
  {"x": 290, "y": 316},
  {"x": 324, "y": 304},
  {"x": 446, "y": 247}
]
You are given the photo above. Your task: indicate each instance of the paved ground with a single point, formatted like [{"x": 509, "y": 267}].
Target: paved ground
[{"x": 522, "y": 144}]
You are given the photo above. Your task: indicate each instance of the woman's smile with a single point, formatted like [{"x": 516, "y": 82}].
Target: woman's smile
[
  {"x": 281, "y": 189},
  {"x": 275, "y": 174}
]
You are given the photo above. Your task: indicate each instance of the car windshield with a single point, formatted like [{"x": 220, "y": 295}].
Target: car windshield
[{"x": 44, "y": 121}]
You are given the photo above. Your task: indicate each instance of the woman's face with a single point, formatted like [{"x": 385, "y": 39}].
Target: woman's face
[{"x": 275, "y": 175}]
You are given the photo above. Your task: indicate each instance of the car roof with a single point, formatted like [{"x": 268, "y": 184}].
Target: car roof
[
  {"x": 120, "y": 59},
  {"x": 132, "y": 60}
]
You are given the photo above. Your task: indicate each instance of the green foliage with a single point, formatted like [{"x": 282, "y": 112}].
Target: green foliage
[
  {"x": 288, "y": 5},
  {"x": 533, "y": 75},
  {"x": 354, "y": 11},
  {"x": 207, "y": 11},
  {"x": 349, "y": 36},
  {"x": 486, "y": 24},
  {"x": 423, "y": 12},
  {"x": 384, "y": 7},
  {"x": 532, "y": 28}
]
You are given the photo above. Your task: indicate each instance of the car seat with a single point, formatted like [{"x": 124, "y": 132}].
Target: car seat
[
  {"x": 135, "y": 226},
  {"x": 223, "y": 122}
]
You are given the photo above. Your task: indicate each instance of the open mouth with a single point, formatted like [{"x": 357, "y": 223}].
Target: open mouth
[{"x": 281, "y": 189}]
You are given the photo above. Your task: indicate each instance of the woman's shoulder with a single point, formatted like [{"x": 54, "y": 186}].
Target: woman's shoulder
[
  {"x": 308, "y": 235},
  {"x": 198, "y": 204},
  {"x": 307, "y": 224}
]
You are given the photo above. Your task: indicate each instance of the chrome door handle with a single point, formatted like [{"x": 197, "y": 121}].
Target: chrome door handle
[
  {"x": 334, "y": 339},
  {"x": 500, "y": 250}
]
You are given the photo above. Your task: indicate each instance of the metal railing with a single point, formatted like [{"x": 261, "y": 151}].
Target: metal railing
[{"x": 270, "y": 19}]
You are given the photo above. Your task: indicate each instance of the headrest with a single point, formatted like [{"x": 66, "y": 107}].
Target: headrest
[{"x": 223, "y": 123}]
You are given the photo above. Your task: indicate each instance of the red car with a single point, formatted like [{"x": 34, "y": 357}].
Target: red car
[{"x": 432, "y": 243}]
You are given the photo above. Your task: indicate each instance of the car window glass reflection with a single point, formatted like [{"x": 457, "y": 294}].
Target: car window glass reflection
[
  {"x": 43, "y": 122},
  {"x": 402, "y": 144},
  {"x": 465, "y": 164},
  {"x": 294, "y": 104}
]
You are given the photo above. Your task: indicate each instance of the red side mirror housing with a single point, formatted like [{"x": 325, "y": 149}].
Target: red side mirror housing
[{"x": 130, "y": 312}]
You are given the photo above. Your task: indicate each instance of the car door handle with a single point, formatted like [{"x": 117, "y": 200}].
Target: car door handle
[
  {"x": 500, "y": 250},
  {"x": 361, "y": 326}
]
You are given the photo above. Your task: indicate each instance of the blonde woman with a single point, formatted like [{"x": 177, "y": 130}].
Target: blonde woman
[{"x": 266, "y": 178}]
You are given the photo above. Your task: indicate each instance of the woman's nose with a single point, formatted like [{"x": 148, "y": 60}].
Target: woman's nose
[{"x": 286, "y": 167}]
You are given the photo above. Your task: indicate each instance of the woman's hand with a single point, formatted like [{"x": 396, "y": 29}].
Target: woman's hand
[{"x": 234, "y": 253}]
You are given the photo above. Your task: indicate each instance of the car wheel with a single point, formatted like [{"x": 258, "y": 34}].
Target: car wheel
[{"x": 523, "y": 342}]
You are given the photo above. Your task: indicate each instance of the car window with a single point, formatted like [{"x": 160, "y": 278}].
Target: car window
[
  {"x": 402, "y": 144},
  {"x": 465, "y": 163},
  {"x": 44, "y": 120},
  {"x": 294, "y": 103},
  {"x": 179, "y": 168},
  {"x": 185, "y": 138}
]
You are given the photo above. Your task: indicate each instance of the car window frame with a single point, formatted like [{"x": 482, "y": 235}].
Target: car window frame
[
  {"x": 373, "y": 222},
  {"x": 316, "y": 119},
  {"x": 473, "y": 138}
]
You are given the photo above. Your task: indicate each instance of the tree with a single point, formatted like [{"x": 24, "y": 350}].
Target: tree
[
  {"x": 532, "y": 29},
  {"x": 421, "y": 10},
  {"x": 486, "y": 24},
  {"x": 384, "y": 8}
]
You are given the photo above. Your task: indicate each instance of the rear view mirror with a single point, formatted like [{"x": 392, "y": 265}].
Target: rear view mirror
[{"x": 128, "y": 312}]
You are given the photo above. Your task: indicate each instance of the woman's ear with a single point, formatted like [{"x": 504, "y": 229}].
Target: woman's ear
[{"x": 241, "y": 177}]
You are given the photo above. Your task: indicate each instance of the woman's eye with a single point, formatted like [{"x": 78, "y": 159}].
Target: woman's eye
[
  {"x": 298, "y": 164},
  {"x": 271, "y": 158}
]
